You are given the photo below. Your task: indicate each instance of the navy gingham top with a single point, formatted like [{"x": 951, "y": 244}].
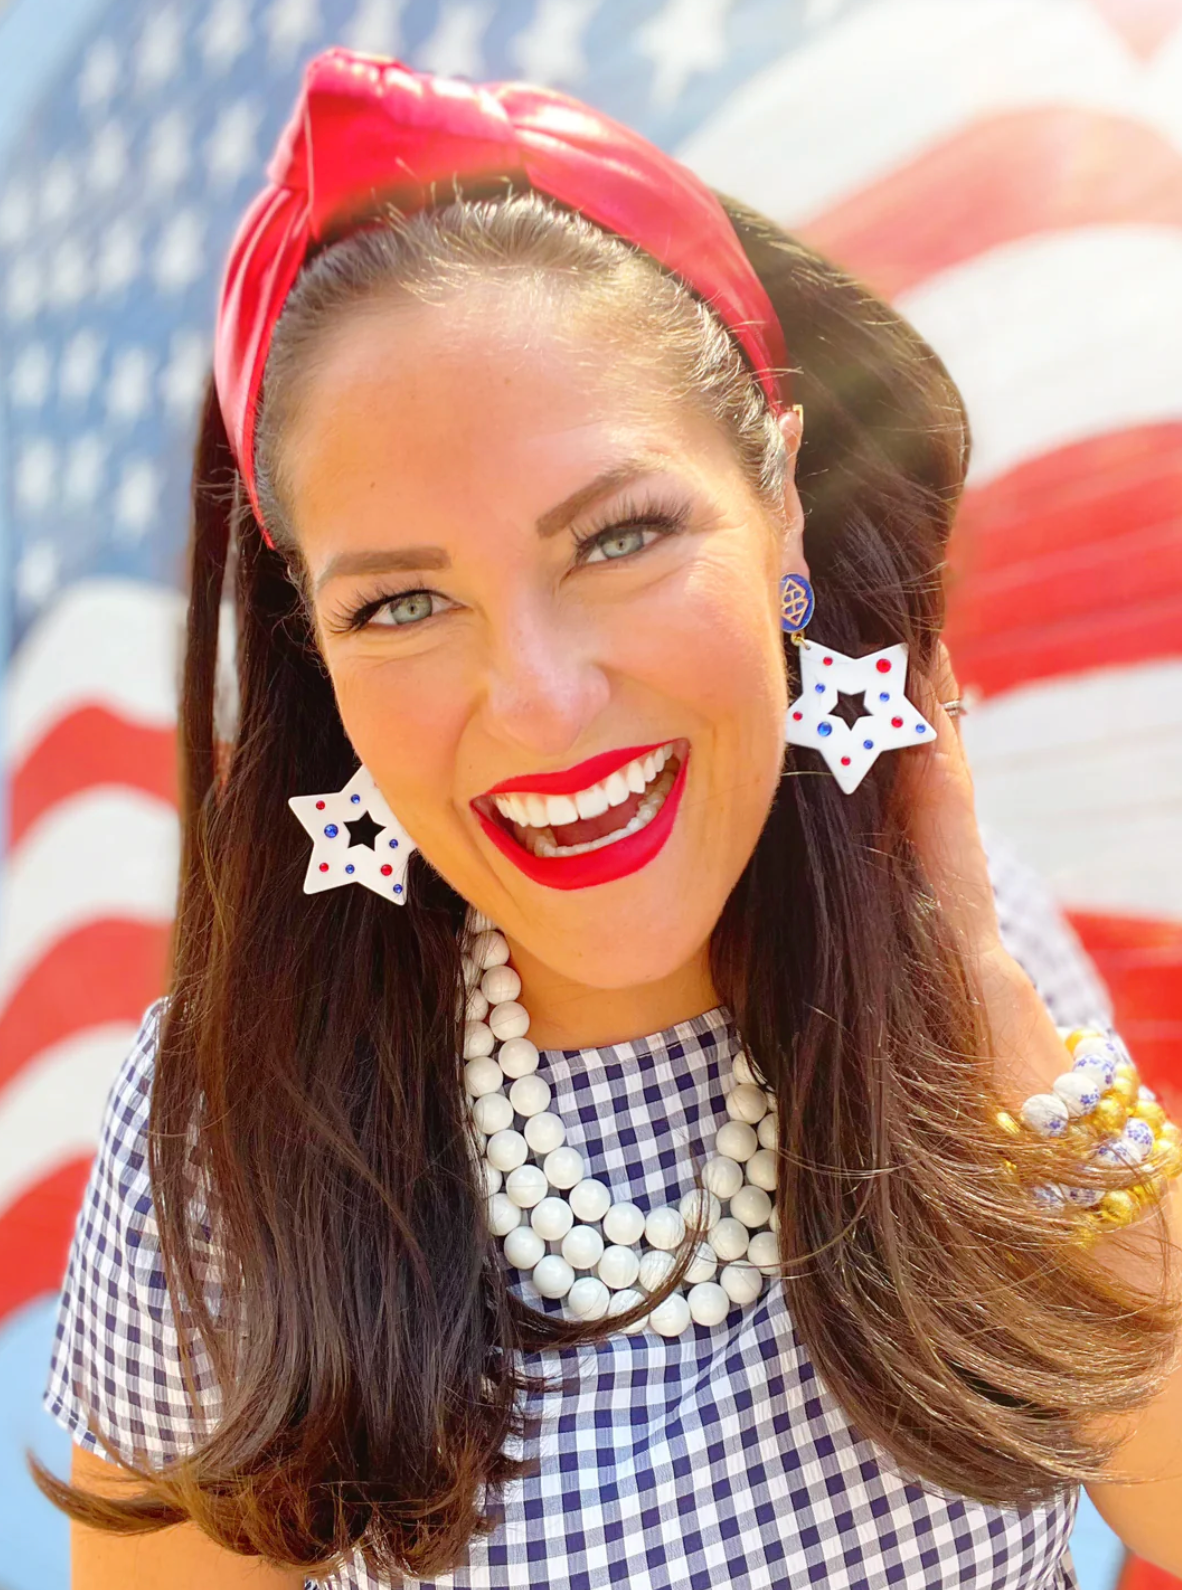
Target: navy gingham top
[{"x": 717, "y": 1458}]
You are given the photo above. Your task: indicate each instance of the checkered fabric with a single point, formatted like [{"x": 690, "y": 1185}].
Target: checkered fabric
[{"x": 714, "y": 1458}]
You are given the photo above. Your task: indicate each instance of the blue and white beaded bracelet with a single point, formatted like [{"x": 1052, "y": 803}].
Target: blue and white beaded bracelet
[{"x": 1103, "y": 1091}]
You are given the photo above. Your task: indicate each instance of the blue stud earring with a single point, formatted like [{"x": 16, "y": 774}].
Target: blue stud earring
[
  {"x": 889, "y": 720},
  {"x": 796, "y": 604}
]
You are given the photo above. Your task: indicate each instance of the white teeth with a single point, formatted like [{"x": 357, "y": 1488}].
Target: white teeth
[
  {"x": 538, "y": 813},
  {"x": 592, "y": 802},
  {"x": 617, "y": 789},
  {"x": 541, "y": 840},
  {"x": 561, "y": 809}
]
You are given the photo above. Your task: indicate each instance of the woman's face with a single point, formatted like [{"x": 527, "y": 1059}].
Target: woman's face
[{"x": 548, "y": 602}]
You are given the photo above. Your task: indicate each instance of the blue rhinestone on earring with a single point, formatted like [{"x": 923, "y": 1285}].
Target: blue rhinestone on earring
[{"x": 796, "y": 603}]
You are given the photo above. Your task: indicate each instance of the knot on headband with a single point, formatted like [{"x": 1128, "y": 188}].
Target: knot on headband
[{"x": 367, "y": 130}]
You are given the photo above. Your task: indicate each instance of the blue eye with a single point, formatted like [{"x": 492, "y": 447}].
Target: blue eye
[
  {"x": 630, "y": 532},
  {"x": 408, "y": 609},
  {"x": 403, "y": 610},
  {"x": 619, "y": 543}
]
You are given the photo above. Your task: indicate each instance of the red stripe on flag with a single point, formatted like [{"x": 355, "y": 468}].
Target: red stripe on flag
[
  {"x": 110, "y": 970},
  {"x": 1071, "y": 561},
  {"x": 35, "y": 1235},
  {"x": 1140, "y": 1575},
  {"x": 998, "y": 180},
  {"x": 88, "y": 747},
  {"x": 1141, "y": 961}
]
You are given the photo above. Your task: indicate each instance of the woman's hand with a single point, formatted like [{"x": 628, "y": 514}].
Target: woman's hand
[
  {"x": 943, "y": 823},
  {"x": 939, "y": 789}
]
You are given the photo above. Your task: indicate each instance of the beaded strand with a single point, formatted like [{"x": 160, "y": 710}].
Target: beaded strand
[
  {"x": 601, "y": 1256},
  {"x": 1102, "y": 1106}
]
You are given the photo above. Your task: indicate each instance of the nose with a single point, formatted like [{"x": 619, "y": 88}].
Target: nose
[{"x": 544, "y": 686}]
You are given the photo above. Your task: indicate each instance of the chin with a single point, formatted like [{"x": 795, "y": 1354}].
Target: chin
[
  {"x": 636, "y": 930},
  {"x": 614, "y": 951}
]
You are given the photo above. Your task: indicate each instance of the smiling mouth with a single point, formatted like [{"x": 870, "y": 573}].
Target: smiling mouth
[{"x": 555, "y": 826}]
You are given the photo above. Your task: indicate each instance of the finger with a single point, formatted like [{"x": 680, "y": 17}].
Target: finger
[{"x": 947, "y": 689}]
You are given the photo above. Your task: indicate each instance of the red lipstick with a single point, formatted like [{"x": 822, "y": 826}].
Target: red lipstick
[{"x": 593, "y": 867}]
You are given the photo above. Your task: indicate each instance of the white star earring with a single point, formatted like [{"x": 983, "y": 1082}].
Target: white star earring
[
  {"x": 885, "y": 721},
  {"x": 356, "y": 839}
]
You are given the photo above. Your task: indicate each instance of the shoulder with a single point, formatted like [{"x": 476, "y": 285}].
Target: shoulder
[
  {"x": 1036, "y": 932},
  {"x": 115, "y": 1364}
]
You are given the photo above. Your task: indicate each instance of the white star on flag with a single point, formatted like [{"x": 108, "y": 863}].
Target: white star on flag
[
  {"x": 129, "y": 388},
  {"x": 36, "y": 474},
  {"x": 31, "y": 374},
  {"x": 686, "y": 37},
  {"x": 24, "y": 293},
  {"x": 454, "y": 49},
  {"x": 225, "y": 33},
  {"x": 230, "y": 149},
  {"x": 59, "y": 190},
  {"x": 180, "y": 255},
  {"x": 83, "y": 476},
  {"x": 16, "y": 215},
  {"x": 99, "y": 75},
  {"x": 169, "y": 153},
  {"x": 549, "y": 49},
  {"x": 81, "y": 362},
  {"x": 69, "y": 276},
  {"x": 108, "y": 160},
  {"x": 160, "y": 49},
  {"x": 376, "y": 28},
  {"x": 120, "y": 257},
  {"x": 183, "y": 378},
  {"x": 889, "y": 720},
  {"x": 339, "y": 856},
  {"x": 137, "y": 500}
]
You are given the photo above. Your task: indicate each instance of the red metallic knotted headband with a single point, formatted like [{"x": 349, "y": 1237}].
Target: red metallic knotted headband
[{"x": 367, "y": 129}]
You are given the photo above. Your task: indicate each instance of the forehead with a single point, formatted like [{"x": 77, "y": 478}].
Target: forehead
[
  {"x": 437, "y": 404},
  {"x": 416, "y": 415}
]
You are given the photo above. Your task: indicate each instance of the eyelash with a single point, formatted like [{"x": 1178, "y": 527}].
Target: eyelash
[
  {"x": 641, "y": 516},
  {"x": 634, "y": 516}
]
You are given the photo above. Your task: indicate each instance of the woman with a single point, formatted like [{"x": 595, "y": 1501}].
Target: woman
[{"x": 515, "y": 505}]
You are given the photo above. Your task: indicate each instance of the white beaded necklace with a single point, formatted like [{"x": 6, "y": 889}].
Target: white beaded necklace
[{"x": 604, "y": 1257}]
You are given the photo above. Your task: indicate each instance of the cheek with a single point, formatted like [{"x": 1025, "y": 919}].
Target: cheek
[
  {"x": 713, "y": 641},
  {"x": 406, "y": 734}
]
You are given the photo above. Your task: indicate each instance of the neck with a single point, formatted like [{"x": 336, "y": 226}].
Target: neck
[{"x": 567, "y": 1014}]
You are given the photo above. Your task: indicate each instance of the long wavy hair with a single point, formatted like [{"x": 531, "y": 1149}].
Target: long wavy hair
[{"x": 368, "y": 1351}]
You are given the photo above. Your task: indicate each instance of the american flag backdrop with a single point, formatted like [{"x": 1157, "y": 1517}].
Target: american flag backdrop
[{"x": 1007, "y": 172}]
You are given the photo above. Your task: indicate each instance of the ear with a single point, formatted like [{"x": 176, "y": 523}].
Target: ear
[{"x": 792, "y": 558}]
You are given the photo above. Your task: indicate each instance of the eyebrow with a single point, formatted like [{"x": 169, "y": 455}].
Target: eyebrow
[{"x": 387, "y": 560}]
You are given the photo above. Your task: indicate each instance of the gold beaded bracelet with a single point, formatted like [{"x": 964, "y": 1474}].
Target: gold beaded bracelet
[{"x": 1102, "y": 1108}]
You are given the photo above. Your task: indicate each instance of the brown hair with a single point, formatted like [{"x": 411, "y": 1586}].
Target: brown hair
[{"x": 365, "y": 1340}]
